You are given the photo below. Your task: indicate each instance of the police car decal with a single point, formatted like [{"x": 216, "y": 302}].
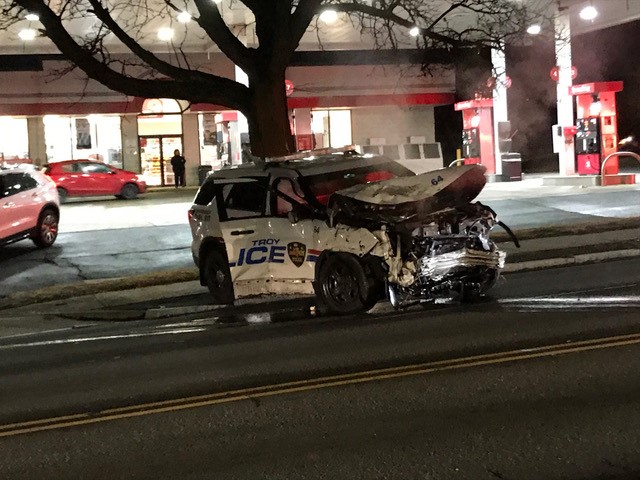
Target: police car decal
[
  {"x": 297, "y": 253},
  {"x": 269, "y": 250}
]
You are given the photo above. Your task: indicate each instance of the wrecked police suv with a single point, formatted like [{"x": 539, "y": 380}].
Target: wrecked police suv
[{"x": 352, "y": 228}]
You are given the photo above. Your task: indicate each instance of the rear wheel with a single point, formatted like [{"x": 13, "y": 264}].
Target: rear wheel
[
  {"x": 343, "y": 286},
  {"x": 128, "y": 192},
  {"x": 62, "y": 194},
  {"x": 218, "y": 277},
  {"x": 46, "y": 231}
]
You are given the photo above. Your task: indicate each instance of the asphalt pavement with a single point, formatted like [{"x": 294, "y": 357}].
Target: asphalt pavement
[{"x": 557, "y": 226}]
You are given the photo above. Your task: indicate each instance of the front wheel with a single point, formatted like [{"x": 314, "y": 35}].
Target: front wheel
[
  {"x": 343, "y": 286},
  {"x": 46, "y": 231},
  {"x": 218, "y": 278},
  {"x": 128, "y": 192}
]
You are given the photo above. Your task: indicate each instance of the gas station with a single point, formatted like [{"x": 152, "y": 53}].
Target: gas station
[{"x": 586, "y": 134}]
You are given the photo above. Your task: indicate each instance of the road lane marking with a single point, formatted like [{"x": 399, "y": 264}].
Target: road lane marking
[{"x": 347, "y": 379}]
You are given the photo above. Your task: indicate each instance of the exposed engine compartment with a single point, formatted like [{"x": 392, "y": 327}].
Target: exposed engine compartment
[{"x": 449, "y": 259}]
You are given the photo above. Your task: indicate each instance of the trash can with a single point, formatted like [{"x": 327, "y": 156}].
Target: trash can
[
  {"x": 203, "y": 171},
  {"x": 511, "y": 167}
]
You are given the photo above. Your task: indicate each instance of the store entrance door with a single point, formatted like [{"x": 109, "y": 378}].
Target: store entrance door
[{"x": 155, "y": 155}]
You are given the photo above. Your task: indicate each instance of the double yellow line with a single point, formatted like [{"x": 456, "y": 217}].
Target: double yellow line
[{"x": 153, "y": 408}]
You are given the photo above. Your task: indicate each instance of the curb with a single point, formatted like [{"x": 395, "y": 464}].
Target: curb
[
  {"x": 583, "y": 228},
  {"x": 579, "y": 259},
  {"x": 522, "y": 262},
  {"x": 252, "y": 305}
]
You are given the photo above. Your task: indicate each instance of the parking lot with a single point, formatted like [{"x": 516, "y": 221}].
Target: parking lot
[{"x": 105, "y": 238}]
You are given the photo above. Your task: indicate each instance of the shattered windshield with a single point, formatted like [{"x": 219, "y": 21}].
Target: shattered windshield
[{"x": 323, "y": 185}]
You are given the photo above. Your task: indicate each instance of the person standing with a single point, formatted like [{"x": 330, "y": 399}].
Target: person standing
[{"x": 178, "y": 163}]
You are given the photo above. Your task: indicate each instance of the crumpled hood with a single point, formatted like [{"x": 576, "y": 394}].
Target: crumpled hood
[{"x": 404, "y": 198}]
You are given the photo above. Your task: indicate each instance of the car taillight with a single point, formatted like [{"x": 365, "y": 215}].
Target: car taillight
[{"x": 190, "y": 213}]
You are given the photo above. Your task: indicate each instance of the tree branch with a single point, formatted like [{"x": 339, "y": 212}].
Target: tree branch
[
  {"x": 387, "y": 14},
  {"x": 145, "y": 55},
  {"x": 301, "y": 18},
  {"x": 214, "y": 89},
  {"x": 212, "y": 22}
]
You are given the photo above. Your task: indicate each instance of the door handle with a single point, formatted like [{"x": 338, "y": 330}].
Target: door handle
[
  {"x": 9, "y": 205},
  {"x": 241, "y": 232}
]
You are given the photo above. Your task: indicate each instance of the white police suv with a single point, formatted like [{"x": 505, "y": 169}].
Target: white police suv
[{"x": 343, "y": 225}]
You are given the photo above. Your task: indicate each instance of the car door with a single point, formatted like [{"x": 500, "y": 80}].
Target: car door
[
  {"x": 70, "y": 177},
  {"x": 19, "y": 203},
  {"x": 99, "y": 178},
  {"x": 245, "y": 229},
  {"x": 297, "y": 236}
]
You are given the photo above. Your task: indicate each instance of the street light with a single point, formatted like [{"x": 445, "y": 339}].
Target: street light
[
  {"x": 534, "y": 29},
  {"x": 589, "y": 13},
  {"x": 27, "y": 34},
  {"x": 329, "y": 16},
  {"x": 184, "y": 17},
  {"x": 165, "y": 34}
]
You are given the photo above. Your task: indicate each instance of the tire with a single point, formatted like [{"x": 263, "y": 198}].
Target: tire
[
  {"x": 217, "y": 277},
  {"x": 343, "y": 286},
  {"x": 46, "y": 231},
  {"x": 62, "y": 194},
  {"x": 129, "y": 192}
]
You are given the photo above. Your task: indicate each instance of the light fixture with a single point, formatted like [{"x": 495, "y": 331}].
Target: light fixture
[
  {"x": 32, "y": 17},
  {"x": 184, "y": 17},
  {"x": 534, "y": 29},
  {"x": 329, "y": 16},
  {"x": 589, "y": 13},
  {"x": 596, "y": 106},
  {"x": 475, "y": 120},
  {"x": 165, "y": 34},
  {"x": 414, "y": 32},
  {"x": 27, "y": 34}
]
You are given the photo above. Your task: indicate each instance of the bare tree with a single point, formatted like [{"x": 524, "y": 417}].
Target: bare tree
[{"x": 279, "y": 26}]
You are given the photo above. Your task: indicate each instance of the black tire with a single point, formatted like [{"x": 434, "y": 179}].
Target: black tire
[
  {"x": 343, "y": 286},
  {"x": 46, "y": 231},
  {"x": 62, "y": 194},
  {"x": 217, "y": 277},
  {"x": 129, "y": 192}
]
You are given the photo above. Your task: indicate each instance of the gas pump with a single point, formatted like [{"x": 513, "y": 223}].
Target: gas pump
[
  {"x": 596, "y": 127},
  {"x": 477, "y": 132}
]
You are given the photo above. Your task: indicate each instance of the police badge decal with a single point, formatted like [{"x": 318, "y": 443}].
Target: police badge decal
[{"x": 297, "y": 252}]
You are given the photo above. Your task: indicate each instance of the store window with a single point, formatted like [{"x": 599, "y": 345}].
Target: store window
[
  {"x": 14, "y": 140},
  {"x": 94, "y": 137},
  {"x": 331, "y": 128},
  {"x": 160, "y": 134},
  {"x": 219, "y": 145},
  {"x": 211, "y": 148}
]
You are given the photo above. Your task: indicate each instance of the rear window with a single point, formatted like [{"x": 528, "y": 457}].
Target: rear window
[
  {"x": 206, "y": 193},
  {"x": 322, "y": 186}
]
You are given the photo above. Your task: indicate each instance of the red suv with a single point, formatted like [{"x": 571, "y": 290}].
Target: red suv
[
  {"x": 29, "y": 207},
  {"x": 82, "y": 178}
]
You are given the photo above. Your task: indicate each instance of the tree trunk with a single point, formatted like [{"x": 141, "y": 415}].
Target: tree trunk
[{"x": 268, "y": 118}]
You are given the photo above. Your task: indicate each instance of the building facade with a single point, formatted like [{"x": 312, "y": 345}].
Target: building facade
[{"x": 47, "y": 116}]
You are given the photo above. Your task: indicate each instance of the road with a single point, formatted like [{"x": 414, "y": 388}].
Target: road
[
  {"x": 540, "y": 382},
  {"x": 106, "y": 238}
]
